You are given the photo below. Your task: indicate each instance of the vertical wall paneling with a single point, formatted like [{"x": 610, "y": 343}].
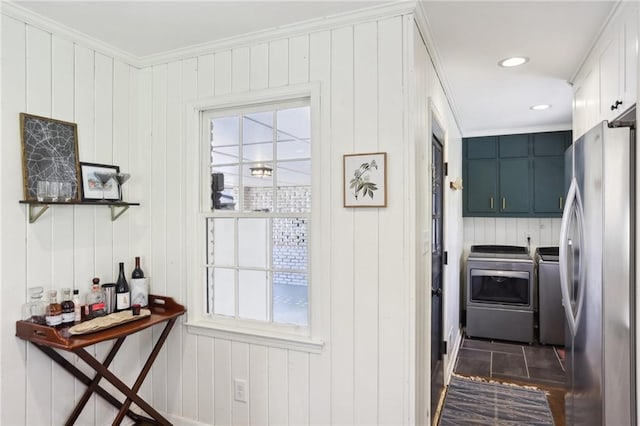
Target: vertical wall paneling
[
  {"x": 511, "y": 231},
  {"x": 278, "y": 382},
  {"x": 298, "y": 388},
  {"x": 258, "y": 385},
  {"x": 320, "y": 293},
  {"x": 342, "y": 272},
  {"x": 190, "y": 357},
  {"x": 278, "y": 63},
  {"x": 299, "y": 59},
  {"x": 205, "y": 75},
  {"x": 159, "y": 200},
  {"x": 173, "y": 264},
  {"x": 392, "y": 297},
  {"x": 62, "y": 217},
  {"x": 39, "y": 241},
  {"x": 366, "y": 227},
  {"x": 240, "y": 60},
  {"x": 259, "y": 60},
  {"x": 205, "y": 381},
  {"x": 223, "y": 387},
  {"x": 240, "y": 371},
  {"x": 223, "y": 73},
  {"x": 13, "y": 222}
]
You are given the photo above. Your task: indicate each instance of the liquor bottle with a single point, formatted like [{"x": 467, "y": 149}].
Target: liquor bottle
[
  {"x": 139, "y": 286},
  {"x": 36, "y": 308},
  {"x": 123, "y": 300},
  {"x": 68, "y": 312},
  {"x": 77, "y": 314},
  {"x": 137, "y": 271},
  {"x": 95, "y": 300},
  {"x": 53, "y": 316}
]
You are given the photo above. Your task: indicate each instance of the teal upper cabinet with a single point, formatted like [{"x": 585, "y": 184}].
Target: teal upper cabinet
[{"x": 514, "y": 175}]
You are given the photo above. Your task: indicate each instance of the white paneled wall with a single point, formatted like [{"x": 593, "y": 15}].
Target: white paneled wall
[
  {"x": 46, "y": 75},
  {"x": 363, "y": 293},
  {"x": 511, "y": 231}
]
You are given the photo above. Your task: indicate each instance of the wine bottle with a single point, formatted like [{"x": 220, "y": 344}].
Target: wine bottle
[
  {"x": 137, "y": 271},
  {"x": 122, "y": 291}
]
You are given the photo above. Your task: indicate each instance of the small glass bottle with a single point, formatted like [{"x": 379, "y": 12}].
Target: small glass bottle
[
  {"x": 77, "y": 306},
  {"x": 36, "y": 308},
  {"x": 68, "y": 311},
  {"x": 54, "y": 310},
  {"x": 95, "y": 300}
]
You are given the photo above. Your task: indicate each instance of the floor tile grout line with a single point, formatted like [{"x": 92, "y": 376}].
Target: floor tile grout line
[
  {"x": 526, "y": 364},
  {"x": 558, "y": 358}
]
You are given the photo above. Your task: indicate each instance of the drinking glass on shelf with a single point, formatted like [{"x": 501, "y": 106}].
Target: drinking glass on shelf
[
  {"x": 103, "y": 178},
  {"x": 65, "y": 191},
  {"x": 121, "y": 178}
]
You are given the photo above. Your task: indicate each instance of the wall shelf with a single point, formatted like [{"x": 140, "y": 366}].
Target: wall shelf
[{"x": 37, "y": 208}]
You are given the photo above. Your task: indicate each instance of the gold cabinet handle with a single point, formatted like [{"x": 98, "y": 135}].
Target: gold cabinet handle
[
  {"x": 504, "y": 203},
  {"x": 490, "y": 202},
  {"x": 561, "y": 203}
]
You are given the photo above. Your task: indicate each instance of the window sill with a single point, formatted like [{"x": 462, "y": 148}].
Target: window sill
[{"x": 211, "y": 328}]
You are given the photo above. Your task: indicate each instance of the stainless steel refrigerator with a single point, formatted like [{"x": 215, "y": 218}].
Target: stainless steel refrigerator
[{"x": 597, "y": 278}]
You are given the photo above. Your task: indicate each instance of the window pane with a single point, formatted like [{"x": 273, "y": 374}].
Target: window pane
[
  {"x": 223, "y": 285},
  {"x": 252, "y": 243},
  {"x": 294, "y": 133},
  {"x": 253, "y": 291},
  {"x": 290, "y": 244},
  {"x": 294, "y": 187},
  {"x": 221, "y": 242},
  {"x": 257, "y": 138},
  {"x": 258, "y": 191},
  {"x": 224, "y": 140},
  {"x": 224, "y": 188},
  {"x": 290, "y": 298}
]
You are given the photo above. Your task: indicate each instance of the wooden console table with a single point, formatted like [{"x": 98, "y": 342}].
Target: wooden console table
[{"x": 48, "y": 339}]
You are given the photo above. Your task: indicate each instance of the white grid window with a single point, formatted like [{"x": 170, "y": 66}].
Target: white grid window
[{"x": 257, "y": 239}]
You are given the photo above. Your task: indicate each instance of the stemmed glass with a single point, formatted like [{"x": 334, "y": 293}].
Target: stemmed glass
[
  {"x": 121, "y": 178},
  {"x": 103, "y": 178}
]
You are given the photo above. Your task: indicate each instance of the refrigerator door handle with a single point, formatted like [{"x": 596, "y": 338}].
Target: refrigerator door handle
[{"x": 573, "y": 204}]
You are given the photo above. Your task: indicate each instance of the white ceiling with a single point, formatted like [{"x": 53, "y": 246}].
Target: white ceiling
[{"x": 470, "y": 37}]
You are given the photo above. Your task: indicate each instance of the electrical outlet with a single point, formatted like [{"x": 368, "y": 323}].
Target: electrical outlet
[{"x": 240, "y": 390}]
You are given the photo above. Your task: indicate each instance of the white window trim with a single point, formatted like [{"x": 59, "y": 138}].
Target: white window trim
[{"x": 197, "y": 199}]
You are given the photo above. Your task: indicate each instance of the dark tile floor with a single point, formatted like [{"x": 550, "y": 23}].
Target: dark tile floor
[{"x": 542, "y": 365}]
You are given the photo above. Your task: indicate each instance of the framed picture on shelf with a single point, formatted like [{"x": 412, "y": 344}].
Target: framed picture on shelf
[
  {"x": 365, "y": 180},
  {"x": 49, "y": 153},
  {"x": 99, "y": 183}
]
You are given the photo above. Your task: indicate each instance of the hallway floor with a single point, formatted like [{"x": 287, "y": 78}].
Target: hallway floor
[{"x": 510, "y": 362}]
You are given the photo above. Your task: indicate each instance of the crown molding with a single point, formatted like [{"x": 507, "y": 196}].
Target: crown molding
[
  {"x": 15, "y": 11},
  {"x": 12, "y": 10},
  {"x": 516, "y": 131}
]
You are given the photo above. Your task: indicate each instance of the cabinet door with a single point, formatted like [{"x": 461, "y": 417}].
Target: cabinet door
[
  {"x": 514, "y": 186},
  {"x": 548, "y": 184},
  {"x": 481, "y": 190},
  {"x": 630, "y": 67},
  {"x": 550, "y": 143},
  {"x": 610, "y": 80}
]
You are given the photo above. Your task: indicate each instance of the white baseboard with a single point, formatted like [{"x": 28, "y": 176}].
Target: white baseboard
[{"x": 454, "y": 355}]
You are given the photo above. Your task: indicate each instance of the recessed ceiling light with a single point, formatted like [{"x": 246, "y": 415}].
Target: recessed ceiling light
[
  {"x": 540, "y": 107},
  {"x": 513, "y": 61}
]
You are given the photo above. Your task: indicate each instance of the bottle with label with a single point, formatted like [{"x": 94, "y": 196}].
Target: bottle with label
[
  {"x": 139, "y": 286},
  {"x": 123, "y": 301},
  {"x": 53, "y": 316},
  {"x": 68, "y": 312},
  {"x": 36, "y": 308},
  {"x": 77, "y": 314},
  {"x": 95, "y": 300}
]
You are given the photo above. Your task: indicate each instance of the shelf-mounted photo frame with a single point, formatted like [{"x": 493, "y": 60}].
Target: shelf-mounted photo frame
[
  {"x": 365, "y": 180},
  {"x": 49, "y": 153},
  {"x": 99, "y": 183}
]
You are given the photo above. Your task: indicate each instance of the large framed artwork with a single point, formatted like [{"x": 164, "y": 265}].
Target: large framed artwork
[
  {"x": 365, "y": 180},
  {"x": 49, "y": 153}
]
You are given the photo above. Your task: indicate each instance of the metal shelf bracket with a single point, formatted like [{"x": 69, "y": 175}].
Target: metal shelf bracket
[
  {"x": 116, "y": 214},
  {"x": 36, "y": 210}
]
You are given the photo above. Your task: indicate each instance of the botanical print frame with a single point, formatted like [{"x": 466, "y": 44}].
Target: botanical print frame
[
  {"x": 365, "y": 180},
  {"x": 49, "y": 153},
  {"x": 91, "y": 186}
]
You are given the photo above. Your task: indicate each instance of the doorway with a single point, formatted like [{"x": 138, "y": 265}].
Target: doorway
[{"x": 437, "y": 271}]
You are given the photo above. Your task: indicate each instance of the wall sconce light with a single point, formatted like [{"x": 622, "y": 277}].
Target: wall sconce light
[{"x": 261, "y": 171}]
